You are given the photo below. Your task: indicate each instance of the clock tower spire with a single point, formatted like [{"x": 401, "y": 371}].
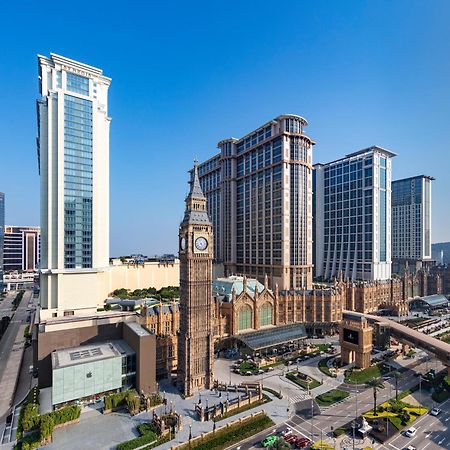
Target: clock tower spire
[{"x": 195, "y": 342}]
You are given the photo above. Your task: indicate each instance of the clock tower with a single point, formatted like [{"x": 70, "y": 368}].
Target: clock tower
[{"x": 195, "y": 342}]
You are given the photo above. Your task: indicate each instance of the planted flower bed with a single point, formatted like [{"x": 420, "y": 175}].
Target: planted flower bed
[{"x": 303, "y": 380}]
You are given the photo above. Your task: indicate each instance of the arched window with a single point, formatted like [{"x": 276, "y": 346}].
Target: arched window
[
  {"x": 245, "y": 318},
  {"x": 265, "y": 315}
]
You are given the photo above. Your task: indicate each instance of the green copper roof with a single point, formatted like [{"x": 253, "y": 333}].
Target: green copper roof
[{"x": 224, "y": 286}]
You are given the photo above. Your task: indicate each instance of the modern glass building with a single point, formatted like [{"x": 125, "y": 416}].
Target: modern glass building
[
  {"x": 411, "y": 218},
  {"x": 352, "y": 223},
  {"x": 2, "y": 236},
  {"x": 83, "y": 372},
  {"x": 22, "y": 248},
  {"x": 73, "y": 157},
  {"x": 259, "y": 196}
]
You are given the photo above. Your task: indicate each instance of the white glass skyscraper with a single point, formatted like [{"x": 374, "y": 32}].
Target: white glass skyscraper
[
  {"x": 411, "y": 218},
  {"x": 73, "y": 155},
  {"x": 352, "y": 216}
]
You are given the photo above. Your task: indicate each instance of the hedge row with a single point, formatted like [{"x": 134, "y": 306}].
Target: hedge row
[
  {"x": 50, "y": 420},
  {"x": 147, "y": 438},
  {"x": 30, "y": 441},
  {"x": 226, "y": 436},
  {"x": 115, "y": 400},
  {"x": 29, "y": 419},
  {"x": 28, "y": 414},
  {"x": 273, "y": 392}
]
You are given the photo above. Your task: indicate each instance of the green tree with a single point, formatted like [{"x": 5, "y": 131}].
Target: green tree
[
  {"x": 280, "y": 444},
  {"x": 397, "y": 376},
  {"x": 121, "y": 293},
  {"x": 376, "y": 384}
]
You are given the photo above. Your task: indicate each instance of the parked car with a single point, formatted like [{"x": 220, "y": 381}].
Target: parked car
[
  {"x": 411, "y": 447},
  {"x": 268, "y": 441},
  {"x": 435, "y": 411},
  {"x": 302, "y": 442},
  {"x": 411, "y": 432}
]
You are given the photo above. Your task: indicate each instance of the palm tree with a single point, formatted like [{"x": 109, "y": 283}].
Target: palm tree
[
  {"x": 397, "y": 376},
  {"x": 280, "y": 444},
  {"x": 375, "y": 384}
]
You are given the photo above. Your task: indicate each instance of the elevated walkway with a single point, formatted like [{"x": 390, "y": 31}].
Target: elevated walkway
[{"x": 415, "y": 338}]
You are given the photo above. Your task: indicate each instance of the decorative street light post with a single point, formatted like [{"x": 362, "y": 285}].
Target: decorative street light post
[{"x": 312, "y": 413}]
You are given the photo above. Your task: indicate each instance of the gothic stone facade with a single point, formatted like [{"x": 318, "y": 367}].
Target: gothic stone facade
[{"x": 195, "y": 340}]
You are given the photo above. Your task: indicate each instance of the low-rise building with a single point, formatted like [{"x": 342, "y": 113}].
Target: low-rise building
[
  {"x": 63, "y": 342},
  {"x": 89, "y": 371}
]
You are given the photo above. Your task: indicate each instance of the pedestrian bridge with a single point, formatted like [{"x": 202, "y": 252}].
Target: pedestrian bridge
[{"x": 412, "y": 337}]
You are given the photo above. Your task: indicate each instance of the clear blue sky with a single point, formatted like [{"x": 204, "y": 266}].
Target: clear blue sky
[{"x": 188, "y": 74}]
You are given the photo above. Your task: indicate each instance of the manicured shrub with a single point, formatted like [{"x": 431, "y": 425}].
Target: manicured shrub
[
  {"x": 46, "y": 427},
  {"x": 146, "y": 438},
  {"x": 145, "y": 428},
  {"x": 30, "y": 417},
  {"x": 133, "y": 402},
  {"x": 30, "y": 442},
  {"x": 115, "y": 400}
]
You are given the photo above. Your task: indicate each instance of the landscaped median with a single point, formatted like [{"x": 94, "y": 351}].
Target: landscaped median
[
  {"x": 331, "y": 397},
  {"x": 361, "y": 376},
  {"x": 229, "y": 434},
  {"x": 302, "y": 380},
  {"x": 395, "y": 412},
  {"x": 323, "y": 367},
  {"x": 243, "y": 408}
]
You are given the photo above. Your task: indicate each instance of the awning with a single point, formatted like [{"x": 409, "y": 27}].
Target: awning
[{"x": 279, "y": 335}]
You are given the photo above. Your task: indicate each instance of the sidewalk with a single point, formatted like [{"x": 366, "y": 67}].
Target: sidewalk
[
  {"x": 14, "y": 344},
  {"x": 276, "y": 409}
]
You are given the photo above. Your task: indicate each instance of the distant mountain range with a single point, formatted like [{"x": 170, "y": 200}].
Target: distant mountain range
[{"x": 440, "y": 252}]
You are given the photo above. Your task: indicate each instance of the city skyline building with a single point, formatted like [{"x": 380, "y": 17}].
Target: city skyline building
[
  {"x": 352, "y": 216},
  {"x": 2, "y": 236},
  {"x": 259, "y": 192},
  {"x": 73, "y": 158},
  {"x": 22, "y": 247},
  {"x": 411, "y": 218}
]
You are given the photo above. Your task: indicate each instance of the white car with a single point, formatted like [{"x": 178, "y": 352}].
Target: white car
[
  {"x": 411, "y": 432},
  {"x": 411, "y": 447},
  {"x": 435, "y": 411}
]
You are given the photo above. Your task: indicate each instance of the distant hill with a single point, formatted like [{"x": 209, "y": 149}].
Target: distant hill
[{"x": 440, "y": 252}]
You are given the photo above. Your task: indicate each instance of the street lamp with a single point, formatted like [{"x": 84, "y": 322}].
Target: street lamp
[
  {"x": 312, "y": 413},
  {"x": 354, "y": 427}
]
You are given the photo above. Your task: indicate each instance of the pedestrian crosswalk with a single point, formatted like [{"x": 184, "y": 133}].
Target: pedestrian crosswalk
[{"x": 299, "y": 397}]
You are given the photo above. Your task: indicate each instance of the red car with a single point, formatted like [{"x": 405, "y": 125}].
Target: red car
[
  {"x": 302, "y": 442},
  {"x": 290, "y": 438}
]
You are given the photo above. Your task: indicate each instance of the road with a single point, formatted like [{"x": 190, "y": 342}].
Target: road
[
  {"x": 361, "y": 400},
  {"x": 11, "y": 345},
  {"x": 6, "y": 304},
  {"x": 432, "y": 432}
]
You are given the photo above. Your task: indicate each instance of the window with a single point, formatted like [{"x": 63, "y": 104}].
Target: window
[
  {"x": 245, "y": 318},
  {"x": 77, "y": 83},
  {"x": 265, "y": 315}
]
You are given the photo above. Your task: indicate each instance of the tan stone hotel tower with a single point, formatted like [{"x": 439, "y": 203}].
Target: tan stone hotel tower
[{"x": 195, "y": 342}]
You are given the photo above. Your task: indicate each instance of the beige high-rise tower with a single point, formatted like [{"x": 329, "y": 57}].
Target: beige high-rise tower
[{"x": 195, "y": 343}]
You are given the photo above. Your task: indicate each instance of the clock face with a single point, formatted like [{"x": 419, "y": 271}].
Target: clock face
[
  {"x": 183, "y": 243},
  {"x": 201, "y": 243}
]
